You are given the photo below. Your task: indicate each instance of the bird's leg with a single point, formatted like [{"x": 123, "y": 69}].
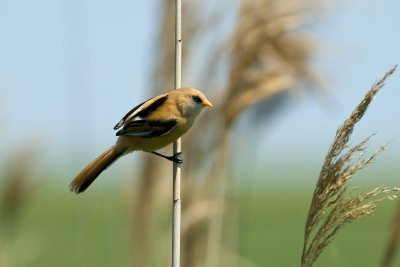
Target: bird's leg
[{"x": 174, "y": 158}]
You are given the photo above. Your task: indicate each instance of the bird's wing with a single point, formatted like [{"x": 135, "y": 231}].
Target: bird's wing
[
  {"x": 131, "y": 113},
  {"x": 147, "y": 128},
  {"x": 141, "y": 111}
]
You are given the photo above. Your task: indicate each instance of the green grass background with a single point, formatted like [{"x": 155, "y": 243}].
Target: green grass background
[{"x": 57, "y": 228}]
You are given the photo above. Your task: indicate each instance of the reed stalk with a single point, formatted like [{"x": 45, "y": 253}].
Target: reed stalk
[{"x": 176, "y": 184}]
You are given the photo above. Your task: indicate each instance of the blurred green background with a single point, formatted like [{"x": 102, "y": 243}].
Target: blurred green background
[{"x": 57, "y": 228}]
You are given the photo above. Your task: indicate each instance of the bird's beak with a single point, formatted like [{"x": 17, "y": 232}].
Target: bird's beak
[{"x": 206, "y": 103}]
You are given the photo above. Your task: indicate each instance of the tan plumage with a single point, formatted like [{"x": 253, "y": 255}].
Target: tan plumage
[{"x": 149, "y": 126}]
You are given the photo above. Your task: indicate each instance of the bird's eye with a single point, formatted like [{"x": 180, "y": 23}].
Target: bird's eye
[{"x": 197, "y": 99}]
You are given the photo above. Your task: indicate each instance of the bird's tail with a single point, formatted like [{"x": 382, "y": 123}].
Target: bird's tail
[{"x": 93, "y": 169}]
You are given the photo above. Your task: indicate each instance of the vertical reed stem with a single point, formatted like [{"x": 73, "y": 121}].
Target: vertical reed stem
[{"x": 176, "y": 223}]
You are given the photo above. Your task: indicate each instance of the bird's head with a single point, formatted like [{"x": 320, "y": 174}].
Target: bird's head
[{"x": 191, "y": 101}]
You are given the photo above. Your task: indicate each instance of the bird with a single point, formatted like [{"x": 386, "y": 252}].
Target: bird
[{"x": 150, "y": 126}]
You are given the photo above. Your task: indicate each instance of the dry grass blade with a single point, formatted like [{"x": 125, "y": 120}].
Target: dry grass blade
[
  {"x": 197, "y": 213},
  {"x": 393, "y": 242},
  {"x": 16, "y": 188},
  {"x": 332, "y": 206}
]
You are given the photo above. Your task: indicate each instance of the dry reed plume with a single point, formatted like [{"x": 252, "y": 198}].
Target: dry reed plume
[
  {"x": 333, "y": 205},
  {"x": 268, "y": 53},
  {"x": 268, "y": 59}
]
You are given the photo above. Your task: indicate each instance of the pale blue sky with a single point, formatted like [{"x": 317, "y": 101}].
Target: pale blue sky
[{"x": 70, "y": 69}]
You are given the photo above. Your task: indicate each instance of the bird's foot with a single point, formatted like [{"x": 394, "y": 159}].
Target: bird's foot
[{"x": 177, "y": 157}]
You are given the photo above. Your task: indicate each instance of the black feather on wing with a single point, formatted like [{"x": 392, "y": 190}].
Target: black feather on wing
[
  {"x": 142, "y": 112},
  {"x": 122, "y": 121},
  {"x": 152, "y": 107},
  {"x": 147, "y": 129}
]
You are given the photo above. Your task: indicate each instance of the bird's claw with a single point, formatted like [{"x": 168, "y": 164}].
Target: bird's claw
[{"x": 177, "y": 158}]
